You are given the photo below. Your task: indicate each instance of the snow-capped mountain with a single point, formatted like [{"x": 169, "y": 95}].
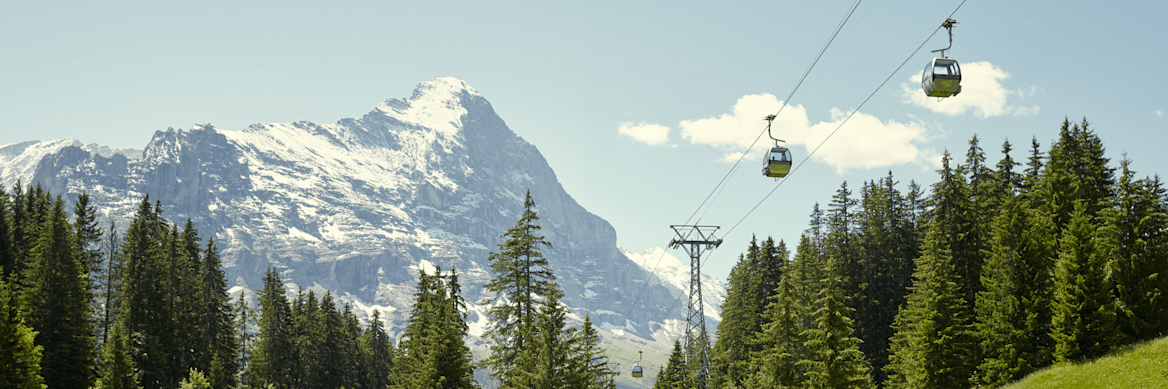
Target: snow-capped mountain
[
  {"x": 356, "y": 207},
  {"x": 671, "y": 271}
]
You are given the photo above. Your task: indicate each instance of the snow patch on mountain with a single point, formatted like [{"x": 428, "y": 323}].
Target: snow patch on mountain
[
  {"x": 435, "y": 104},
  {"x": 672, "y": 271},
  {"x": 19, "y": 161}
]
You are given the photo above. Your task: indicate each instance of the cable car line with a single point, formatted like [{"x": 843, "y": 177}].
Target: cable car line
[
  {"x": 740, "y": 158},
  {"x": 784, "y": 103},
  {"x": 803, "y": 161},
  {"x": 837, "y": 128},
  {"x": 810, "y": 67}
]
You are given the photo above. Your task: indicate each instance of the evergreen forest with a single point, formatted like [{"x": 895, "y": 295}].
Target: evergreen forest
[
  {"x": 995, "y": 271},
  {"x": 84, "y": 306},
  {"x": 998, "y": 271}
]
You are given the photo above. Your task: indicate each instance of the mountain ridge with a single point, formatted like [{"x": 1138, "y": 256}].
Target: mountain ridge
[{"x": 357, "y": 206}]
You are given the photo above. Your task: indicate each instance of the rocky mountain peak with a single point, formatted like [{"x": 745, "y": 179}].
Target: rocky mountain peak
[
  {"x": 356, "y": 207},
  {"x": 436, "y": 104}
]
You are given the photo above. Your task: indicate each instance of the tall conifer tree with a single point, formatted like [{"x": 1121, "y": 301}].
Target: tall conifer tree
[
  {"x": 1083, "y": 325},
  {"x": 1013, "y": 309},
  {"x": 521, "y": 276},
  {"x": 109, "y": 283},
  {"x": 117, "y": 366},
  {"x": 741, "y": 314},
  {"x": 433, "y": 352},
  {"x": 546, "y": 363},
  {"x": 378, "y": 353},
  {"x": 673, "y": 374},
  {"x": 833, "y": 358},
  {"x": 7, "y": 251},
  {"x": 590, "y": 369},
  {"x": 216, "y": 332},
  {"x": 20, "y": 355},
  {"x": 934, "y": 345},
  {"x": 274, "y": 360},
  {"x": 147, "y": 307},
  {"x": 56, "y": 301},
  {"x": 780, "y": 343},
  {"x": 1134, "y": 241}
]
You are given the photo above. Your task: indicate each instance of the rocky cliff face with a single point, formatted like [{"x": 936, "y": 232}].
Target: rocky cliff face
[{"x": 358, "y": 206}]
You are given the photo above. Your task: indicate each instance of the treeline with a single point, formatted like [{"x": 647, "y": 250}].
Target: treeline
[
  {"x": 82, "y": 306},
  {"x": 996, "y": 273},
  {"x": 309, "y": 344},
  {"x": 89, "y": 308}
]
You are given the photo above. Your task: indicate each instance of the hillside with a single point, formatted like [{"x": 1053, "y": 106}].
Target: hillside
[{"x": 1143, "y": 365}]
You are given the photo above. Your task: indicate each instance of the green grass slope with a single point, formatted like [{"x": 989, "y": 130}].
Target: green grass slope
[{"x": 1143, "y": 365}]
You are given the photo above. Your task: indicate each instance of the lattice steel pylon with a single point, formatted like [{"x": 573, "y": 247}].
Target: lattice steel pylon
[{"x": 695, "y": 240}]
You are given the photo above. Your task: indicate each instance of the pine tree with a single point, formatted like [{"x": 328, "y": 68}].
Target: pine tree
[
  {"x": 117, "y": 366},
  {"x": 780, "y": 342},
  {"x": 841, "y": 243},
  {"x": 954, "y": 217},
  {"x": 216, "y": 332},
  {"x": 521, "y": 276},
  {"x": 455, "y": 366},
  {"x": 88, "y": 234},
  {"x": 433, "y": 352},
  {"x": 932, "y": 346},
  {"x": 414, "y": 366},
  {"x": 244, "y": 328},
  {"x": 1013, "y": 309},
  {"x": 56, "y": 302},
  {"x": 7, "y": 252},
  {"x": 1007, "y": 181},
  {"x": 1076, "y": 170},
  {"x": 20, "y": 356},
  {"x": 772, "y": 260},
  {"x": 378, "y": 353},
  {"x": 590, "y": 369},
  {"x": 308, "y": 340},
  {"x": 808, "y": 274},
  {"x": 109, "y": 283},
  {"x": 329, "y": 333},
  {"x": 184, "y": 256},
  {"x": 741, "y": 311},
  {"x": 355, "y": 367},
  {"x": 545, "y": 363},
  {"x": 147, "y": 309},
  {"x": 673, "y": 375},
  {"x": 15, "y": 240},
  {"x": 1032, "y": 176},
  {"x": 887, "y": 240},
  {"x": 833, "y": 358},
  {"x": 1134, "y": 241},
  {"x": 1083, "y": 325},
  {"x": 274, "y": 360}
]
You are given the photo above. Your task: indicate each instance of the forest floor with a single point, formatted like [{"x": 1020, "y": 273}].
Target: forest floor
[{"x": 1142, "y": 365}]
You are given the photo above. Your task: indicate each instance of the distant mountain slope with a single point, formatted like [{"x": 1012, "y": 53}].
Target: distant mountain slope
[
  {"x": 672, "y": 271},
  {"x": 358, "y": 206}
]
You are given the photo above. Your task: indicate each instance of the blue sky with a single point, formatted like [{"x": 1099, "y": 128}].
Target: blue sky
[{"x": 689, "y": 83}]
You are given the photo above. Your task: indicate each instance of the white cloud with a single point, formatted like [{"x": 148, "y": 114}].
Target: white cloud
[
  {"x": 1159, "y": 113},
  {"x": 865, "y": 142},
  {"x": 650, "y": 134},
  {"x": 982, "y": 93}
]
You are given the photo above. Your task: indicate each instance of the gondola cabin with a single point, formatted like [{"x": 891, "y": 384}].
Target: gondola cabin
[
  {"x": 942, "y": 78},
  {"x": 637, "y": 373},
  {"x": 777, "y": 163}
]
